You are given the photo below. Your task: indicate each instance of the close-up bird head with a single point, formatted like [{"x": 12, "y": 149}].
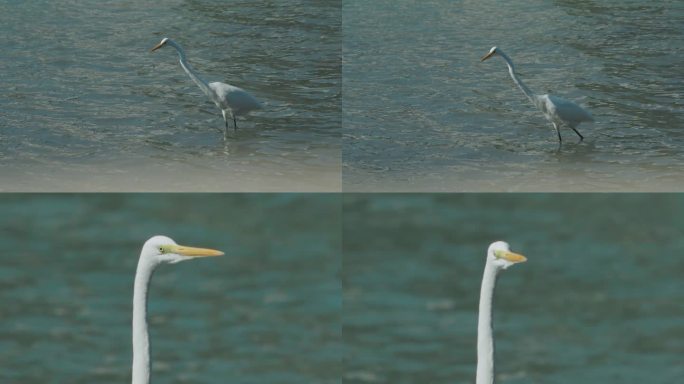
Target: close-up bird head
[
  {"x": 491, "y": 53},
  {"x": 161, "y": 249},
  {"x": 161, "y": 44},
  {"x": 500, "y": 255}
]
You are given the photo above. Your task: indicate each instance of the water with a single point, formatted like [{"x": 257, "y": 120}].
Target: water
[
  {"x": 267, "y": 312},
  {"x": 598, "y": 301},
  {"x": 84, "y": 105},
  {"x": 421, "y": 113}
]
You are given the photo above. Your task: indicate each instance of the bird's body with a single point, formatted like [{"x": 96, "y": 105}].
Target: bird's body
[
  {"x": 156, "y": 251},
  {"x": 499, "y": 257},
  {"x": 563, "y": 112},
  {"x": 559, "y": 111},
  {"x": 231, "y": 100}
]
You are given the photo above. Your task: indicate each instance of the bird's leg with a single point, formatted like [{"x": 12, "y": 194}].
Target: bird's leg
[
  {"x": 225, "y": 131},
  {"x": 234, "y": 122},
  {"x": 578, "y": 134},
  {"x": 225, "y": 120},
  {"x": 558, "y": 132}
]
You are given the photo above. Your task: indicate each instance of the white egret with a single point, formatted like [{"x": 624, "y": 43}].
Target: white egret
[
  {"x": 157, "y": 250},
  {"x": 556, "y": 109},
  {"x": 233, "y": 101},
  {"x": 499, "y": 257}
]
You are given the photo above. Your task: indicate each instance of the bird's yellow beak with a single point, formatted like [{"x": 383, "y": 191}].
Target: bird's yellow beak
[
  {"x": 510, "y": 256},
  {"x": 487, "y": 56},
  {"x": 157, "y": 47},
  {"x": 194, "y": 252}
]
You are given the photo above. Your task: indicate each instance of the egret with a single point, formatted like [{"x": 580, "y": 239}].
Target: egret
[
  {"x": 157, "y": 250},
  {"x": 499, "y": 257},
  {"x": 231, "y": 100},
  {"x": 557, "y": 110}
]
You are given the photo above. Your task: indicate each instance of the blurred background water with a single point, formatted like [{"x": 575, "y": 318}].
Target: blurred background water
[
  {"x": 85, "y": 106},
  {"x": 267, "y": 312},
  {"x": 422, "y": 113},
  {"x": 598, "y": 301}
]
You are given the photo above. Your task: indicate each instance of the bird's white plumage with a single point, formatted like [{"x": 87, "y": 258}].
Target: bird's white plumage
[
  {"x": 499, "y": 257},
  {"x": 562, "y": 110},
  {"x": 156, "y": 251},
  {"x": 233, "y": 101},
  {"x": 234, "y": 98},
  {"x": 559, "y": 111}
]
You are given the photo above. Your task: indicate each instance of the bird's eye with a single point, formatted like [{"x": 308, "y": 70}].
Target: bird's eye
[{"x": 161, "y": 250}]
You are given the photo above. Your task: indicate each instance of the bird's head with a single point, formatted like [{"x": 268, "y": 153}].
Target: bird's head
[
  {"x": 491, "y": 53},
  {"x": 161, "y": 249},
  {"x": 500, "y": 255},
  {"x": 161, "y": 44}
]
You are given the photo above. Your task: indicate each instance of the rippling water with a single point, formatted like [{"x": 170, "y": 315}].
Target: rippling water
[
  {"x": 267, "y": 312},
  {"x": 84, "y": 105},
  {"x": 422, "y": 113},
  {"x": 598, "y": 301}
]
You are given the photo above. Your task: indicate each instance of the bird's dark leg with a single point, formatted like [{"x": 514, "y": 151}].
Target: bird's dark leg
[
  {"x": 560, "y": 140},
  {"x": 234, "y": 122},
  {"x": 225, "y": 120},
  {"x": 578, "y": 134}
]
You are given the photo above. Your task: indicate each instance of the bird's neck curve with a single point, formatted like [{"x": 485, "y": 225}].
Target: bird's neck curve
[
  {"x": 485, "y": 340},
  {"x": 141, "y": 341},
  {"x": 179, "y": 49},
  {"x": 511, "y": 69},
  {"x": 188, "y": 68}
]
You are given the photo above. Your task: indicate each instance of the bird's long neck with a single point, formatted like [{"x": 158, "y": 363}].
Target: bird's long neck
[
  {"x": 511, "y": 69},
  {"x": 188, "y": 68},
  {"x": 141, "y": 340},
  {"x": 485, "y": 341}
]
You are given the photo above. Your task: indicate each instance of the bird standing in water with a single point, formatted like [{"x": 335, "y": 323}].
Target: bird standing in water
[
  {"x": 233, "y": 101},
  {"x": 558, "y": 111}
]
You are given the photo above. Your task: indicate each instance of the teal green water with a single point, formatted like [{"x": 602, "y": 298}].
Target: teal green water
[
  {"x": 599, "y": 300},
  {"x": 267, "y": 312}
]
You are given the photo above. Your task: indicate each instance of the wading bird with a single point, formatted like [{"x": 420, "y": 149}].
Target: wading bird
[
  {"x": 157, "y": 250},
  {"x": 556, "y": 109},
  {"x": 499, "y": 257},
  {"x": 232, "y": 101}
]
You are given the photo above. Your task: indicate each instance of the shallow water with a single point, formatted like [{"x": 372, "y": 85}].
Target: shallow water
[
  {"x": 598, "y": 301},
  {"x": 267, "y": 312},
  {"x": 85, "y": 106},
  {"x": 422, "y": 113}
]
